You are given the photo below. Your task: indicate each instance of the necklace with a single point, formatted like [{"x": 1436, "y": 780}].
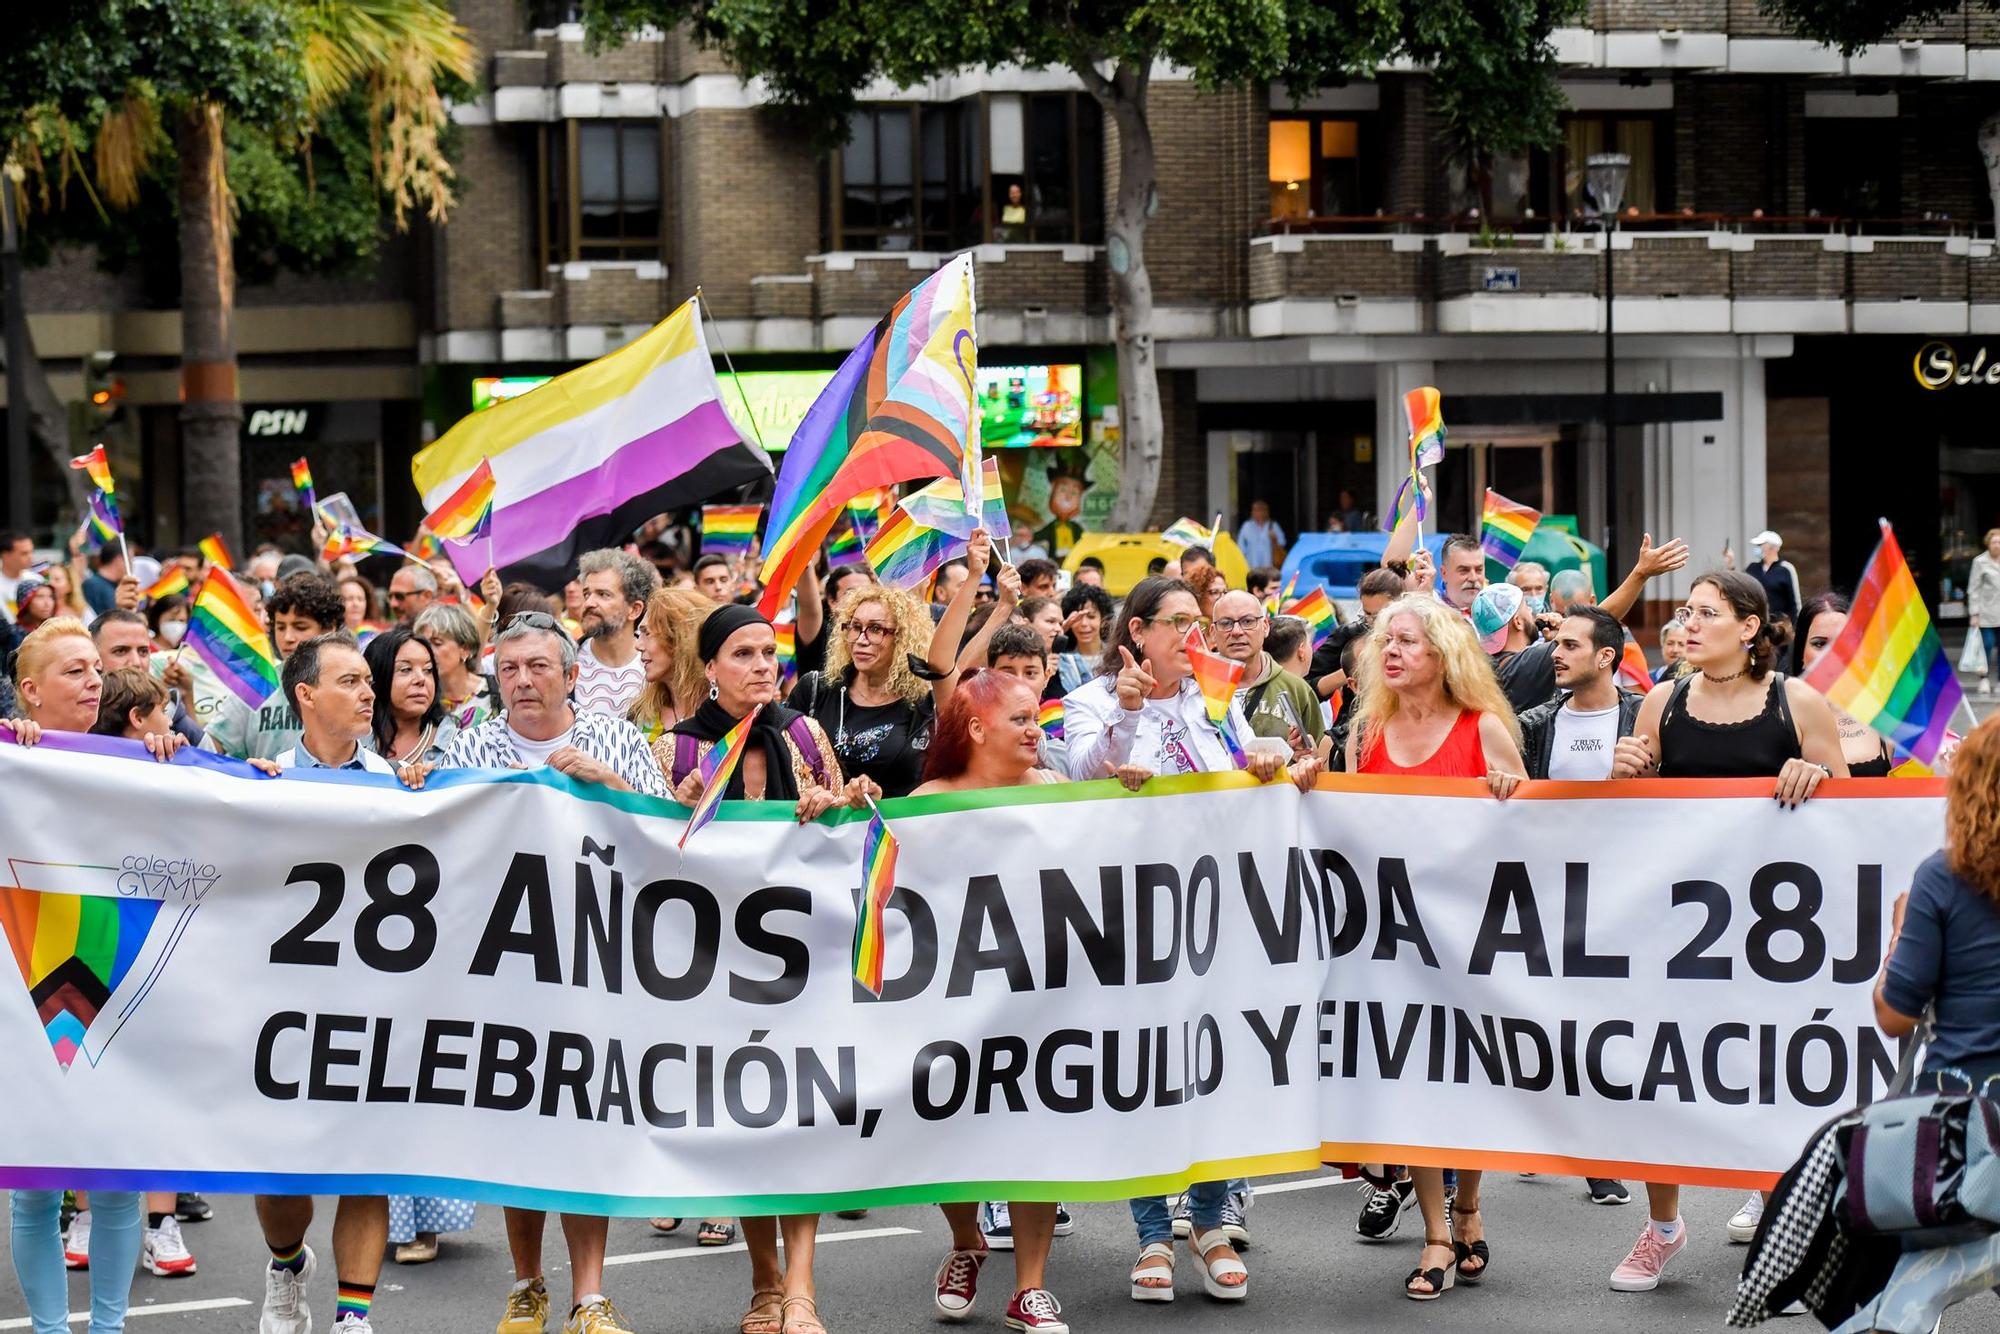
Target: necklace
[{"x": 1722, "y": 680}]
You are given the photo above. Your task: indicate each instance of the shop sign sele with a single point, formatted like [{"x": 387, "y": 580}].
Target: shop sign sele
[{"x": 1938, "y": 365}]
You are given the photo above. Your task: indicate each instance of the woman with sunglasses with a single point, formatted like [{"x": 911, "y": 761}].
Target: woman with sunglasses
[
  {"x": 989, "y": 736},
  {"x": 887, "y": 671},
  {"x": 1143, "y": 715}
]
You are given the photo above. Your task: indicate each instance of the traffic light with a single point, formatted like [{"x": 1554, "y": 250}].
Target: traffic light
[{"x": 103, "y": 402}]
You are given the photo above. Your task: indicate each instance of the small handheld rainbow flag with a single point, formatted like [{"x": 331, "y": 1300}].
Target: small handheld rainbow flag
[
  {"x": 1185, "y": 532},
  {"x": 302, "y": 482},
  {"x": 98, "y": 467},
  {"x": 1409, "y": 500},
  {"x": 1633, "y": 669},
  {"x": 1218, "y": 678},
  {"x": 1316, "y": 610},
  {"x": 878, "y": 884},
  {"x": 170, "y": 584},
  {"x": 1887, "y": 668},
  {"x": 104, "y": 520},
  {"x": 846, "y": 542},
  {"x": 224, "y": 631},
  {"x": 1505, "y": 527},
  {"x": 787, "y": 634},
  {"x": 216, "y": 553},
  {"x": 1284, "y": 597},
  {"x": 716, "y": 771},
  {"x": 729, "y": 530},
  {"x": 905, "y": 553},
  {"x": 1051, "y": 719},
  {"x": 941, "y": 505},
  {"x": 865, "y": 512},
  {"x": 1424, "y": 407},
  {"x": 466, "y": 513},
  {"x": 425, "y": 547},
  {"x": 346, "y": 541}
]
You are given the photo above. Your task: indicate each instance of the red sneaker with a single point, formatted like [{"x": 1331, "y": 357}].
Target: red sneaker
[
  {"x": 958, "y": 1283},
  {"x": 1036, "y": 1311}
]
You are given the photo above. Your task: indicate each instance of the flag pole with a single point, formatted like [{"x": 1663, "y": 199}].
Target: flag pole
[{"x": 734, "y": 378}]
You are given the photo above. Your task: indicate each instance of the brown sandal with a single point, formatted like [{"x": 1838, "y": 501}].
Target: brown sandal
[
  {"x": 805, "y": 1324},
  {"x": 766, "y": 1314}
]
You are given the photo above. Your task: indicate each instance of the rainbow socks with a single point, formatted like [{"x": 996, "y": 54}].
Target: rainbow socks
[
  {"x": 354, "y": 1299},
  {"x": 293, "y": 1259}
]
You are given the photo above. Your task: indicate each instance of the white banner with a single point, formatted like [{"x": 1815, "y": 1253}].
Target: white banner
[{"x": 513, "y": 988}]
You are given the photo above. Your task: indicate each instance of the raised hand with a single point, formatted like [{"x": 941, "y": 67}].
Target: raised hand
[{"x": 1135, "y": 681}]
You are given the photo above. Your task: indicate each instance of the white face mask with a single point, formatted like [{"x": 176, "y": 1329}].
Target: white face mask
[{"x": 171, "y": 631}]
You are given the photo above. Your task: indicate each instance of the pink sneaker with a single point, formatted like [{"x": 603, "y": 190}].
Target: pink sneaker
[
  {"x": 1036, "y": 1311},
  {"x": 958, "y": 1283},
  {"x": 1640, "y": 1270}
]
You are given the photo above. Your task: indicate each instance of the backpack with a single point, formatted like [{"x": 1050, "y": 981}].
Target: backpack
[{"x": 687, "y": 753}]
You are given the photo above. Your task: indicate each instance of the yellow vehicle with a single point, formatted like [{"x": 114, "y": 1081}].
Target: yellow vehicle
[{"x": 1126, "y": 556}]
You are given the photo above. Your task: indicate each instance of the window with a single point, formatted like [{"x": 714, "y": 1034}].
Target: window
[
  {"x": 1854, "y": 167},
  {"x": 1007, "y": 167},
  {"x": 1323, "y": 167},
  {"x": 1648, "y": 187},
  {"x": 601, "y": 183}
]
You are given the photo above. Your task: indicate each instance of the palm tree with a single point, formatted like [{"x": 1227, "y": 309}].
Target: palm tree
[{"x": 394, "y": 55}]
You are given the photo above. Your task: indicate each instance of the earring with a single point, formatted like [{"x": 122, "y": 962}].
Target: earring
[{"x": 714, "y": 691}]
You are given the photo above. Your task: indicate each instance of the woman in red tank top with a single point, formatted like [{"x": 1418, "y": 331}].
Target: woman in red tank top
[{"x": 1429, "y": 704}]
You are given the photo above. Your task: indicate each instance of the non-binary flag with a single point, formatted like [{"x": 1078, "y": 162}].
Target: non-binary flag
[
  {"x": 729, "y": 530},
  {"x": 941, "y": 505},
  {"x": 225, "y": 632},
  {"x": 1505, "y": 527},
  {"x": 878, "y": 885},
  {"x": 717, "y": 768},
  {"x": 900, "y": 408},
  {"x": 592, "y": 454},
  {"x": 215, "y": 552},
  {"x": 467, "y": 513},
  {"x": 1316, "y": 610},
  {"x": 905, "y": 553},
  {"x": 1887, "y": 668}
]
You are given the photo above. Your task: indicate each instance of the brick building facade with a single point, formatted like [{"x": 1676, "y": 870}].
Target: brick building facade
[{"x": 1800, "y": 224}]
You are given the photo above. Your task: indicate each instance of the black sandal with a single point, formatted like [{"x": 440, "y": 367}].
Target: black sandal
[
  {"x": 1440, "y": 1279},
  {"x": 1475, "y": 1250}
]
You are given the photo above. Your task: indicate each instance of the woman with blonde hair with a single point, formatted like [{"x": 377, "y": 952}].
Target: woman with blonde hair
[
  {"x": 1429, "y": 704},
  {"x": 674, "y": 682},
  {"x": 887, "y": 671}
]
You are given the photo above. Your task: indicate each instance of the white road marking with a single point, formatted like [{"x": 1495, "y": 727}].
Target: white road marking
[
  {"x": 161, "y": 1308},
  {"x": 697, "y": 1252},
  {"x": 1310, "y": 1183}
]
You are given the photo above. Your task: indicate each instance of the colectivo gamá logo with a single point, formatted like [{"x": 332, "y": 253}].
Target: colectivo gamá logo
[{"x": 91, "y": 940}]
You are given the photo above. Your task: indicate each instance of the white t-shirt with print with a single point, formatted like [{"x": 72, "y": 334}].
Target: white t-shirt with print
[{"x": 1583, "y": 743}]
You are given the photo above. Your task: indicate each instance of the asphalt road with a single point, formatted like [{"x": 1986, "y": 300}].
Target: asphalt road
[{"x": 1553, "y": 1250}]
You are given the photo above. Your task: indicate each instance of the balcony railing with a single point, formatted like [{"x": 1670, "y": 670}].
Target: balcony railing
[{"x": 1756, "y": 221}]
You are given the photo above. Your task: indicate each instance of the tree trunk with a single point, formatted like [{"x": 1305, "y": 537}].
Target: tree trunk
[
  {"x": 1123, "y": 97},
  {"x": 48, "y": 427},
  {"x": 211, "y": 451}
]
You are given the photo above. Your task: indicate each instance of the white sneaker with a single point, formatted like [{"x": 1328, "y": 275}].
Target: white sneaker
[
  {"x": 353, "y": 1324},
  {"x": 1985, "y": 686},
  {"x": 285, "y": 1310},
  {"x": 76, "y": 1246},
  {"x": 164, "y": 1252},
  {"x": 1743, "y": 1224}
]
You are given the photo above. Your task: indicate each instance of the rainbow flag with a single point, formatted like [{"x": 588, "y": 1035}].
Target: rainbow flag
[
  {"x": 878, "y": 883},
  {"x": 466, "y": 513},
  {"x": 729, "y": 530},
  {"x": 104, "y": 520},
  {"x": 1633, "y": 669},
  {"x": 788, "y": 650},
  {"x": 73, "y": 951},
  {"x": 899, "y": 408},
  {"x": 1505, "y": 527},
  {"x": 170, "y": 584},
  {"x": 222, "y": 629},
  {"x": 1284, "y": 597},
  {"x": 1316, "y": 610},
  {"x": 1218, "y": 678},
  {"x": 1051, "y": 719},
  {"x": 302, "y": 482},
  {"x": 716, "y": 771},
  {"x": 346, "y": 541},
  {"x": 846, "y": 543},
  {"x": 98, "y": 467},
  {"x": 425, "y": 547},
  {"x": 1185, "y": 532},
  {"x": 215, "y": 552},
  {"x": 941, "y": 505},
  {"x": 905, "y": 553},
  {"x": 1409, "y": 500},
  {"x": 866, "y": 512},
  {"x": 585, "y": 459},
  {"x": 1887, "y": 668},
  {"x": 1424, "y": 408}
]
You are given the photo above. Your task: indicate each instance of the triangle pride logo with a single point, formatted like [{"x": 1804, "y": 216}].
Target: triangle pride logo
[{"x": 87, "y": 943}]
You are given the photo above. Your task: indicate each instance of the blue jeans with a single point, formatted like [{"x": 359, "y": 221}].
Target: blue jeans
[
  {"x": 1991, "y": 634},
  {"x": 38, "y": 1257},
  {"x": 1156, "y": 1222}
]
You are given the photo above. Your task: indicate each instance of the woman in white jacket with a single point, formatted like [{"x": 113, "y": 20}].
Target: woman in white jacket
[{"x": 1982, "y": 596}]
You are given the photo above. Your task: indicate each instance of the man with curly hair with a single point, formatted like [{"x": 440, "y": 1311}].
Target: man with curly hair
[{"x": 303, "y": 607}]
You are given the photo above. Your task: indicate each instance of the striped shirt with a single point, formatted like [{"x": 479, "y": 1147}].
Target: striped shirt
[
  {"x": 610, "y": 741},
  {"x": 605, "y": 689}
]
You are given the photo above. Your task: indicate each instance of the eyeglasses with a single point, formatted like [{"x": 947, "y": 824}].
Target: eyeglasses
[
  {"x": 867, "y": 630},
  {"x": 1231, "y": 623},
  {"x": 537, "y": 620},
  {"x": 1181, "y": 623},
  {"x": 1689, "y": 615}
]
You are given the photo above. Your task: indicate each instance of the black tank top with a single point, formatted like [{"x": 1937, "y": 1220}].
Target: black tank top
[
  {"x": 1876, "y": 768},
  {"x": 1754, "y": 748}
]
